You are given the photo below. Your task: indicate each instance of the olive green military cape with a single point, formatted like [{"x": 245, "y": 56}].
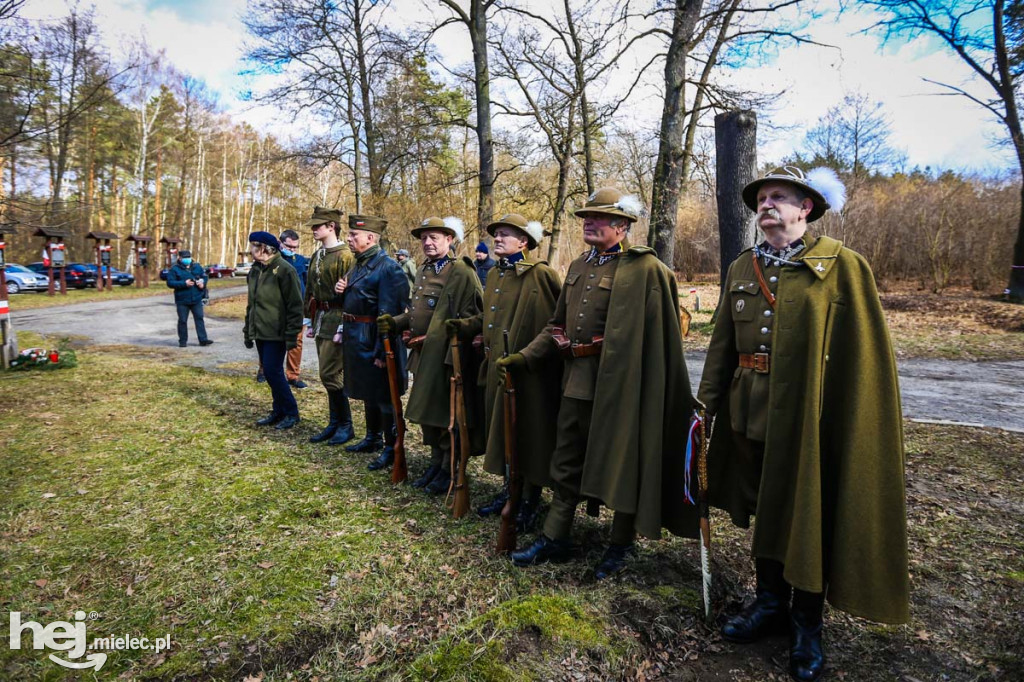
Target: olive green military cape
[
  {"x": 831, "y": 505},
  {"x": 537, "y": 393},
  {"x": 428, "y": 399},
  {"x": 637, "y": 442}
]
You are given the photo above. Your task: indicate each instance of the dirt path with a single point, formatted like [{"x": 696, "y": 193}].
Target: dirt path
[{"x": 980, "y": 393}]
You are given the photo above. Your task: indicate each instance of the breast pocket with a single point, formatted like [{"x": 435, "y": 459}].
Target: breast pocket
[
  {"x": 571, "y": 278},
  {"x": 743, "y": 300},
  {"x": 605, "y": 283}
]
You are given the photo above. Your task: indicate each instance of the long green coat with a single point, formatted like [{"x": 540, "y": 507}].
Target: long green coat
[
  {"x": 636, "y": 446},
  {"x": 831, "y": 505},
  {"x": 428, "y": 399},
  {"x": 537, "y": 393}
]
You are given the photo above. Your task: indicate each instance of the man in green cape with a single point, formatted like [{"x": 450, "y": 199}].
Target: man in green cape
[
  {"x": 519, "y": 298},
  {"x": 802, "y": 376},
  {"x": 445, "y": 287},
  {"x": 625, "y": 391}
]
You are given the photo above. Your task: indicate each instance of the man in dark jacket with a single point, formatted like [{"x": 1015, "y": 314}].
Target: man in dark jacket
[
  {"x": 483, "y": 263},
  {"x": 375, "y": 286},
  {"x": 188, "y": 280}
]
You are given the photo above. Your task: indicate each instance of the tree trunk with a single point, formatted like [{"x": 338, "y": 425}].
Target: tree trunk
[
  {"x": 736, "y": 164},
  {"x": 372, "y": 162},
  {"x": 478, "y": 36},
  {"x": 668, "y": 176}
]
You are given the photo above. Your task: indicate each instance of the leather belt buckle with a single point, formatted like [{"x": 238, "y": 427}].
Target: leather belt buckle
[{"x": 762, "y": 363}]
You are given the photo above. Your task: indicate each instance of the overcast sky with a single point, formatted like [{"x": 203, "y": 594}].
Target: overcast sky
[{"x": 205, "y": 38}]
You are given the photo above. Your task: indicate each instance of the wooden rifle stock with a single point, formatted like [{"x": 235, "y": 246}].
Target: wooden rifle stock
[
  {"x": 460, "y": 504},
  {"x": 507, "y": 533},
  {"x": 399, "y": 472}
]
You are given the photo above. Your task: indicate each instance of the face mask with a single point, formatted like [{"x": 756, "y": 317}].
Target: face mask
[
  {"x": 287, "y": 252},
  {"x": 186, "y": 261}
]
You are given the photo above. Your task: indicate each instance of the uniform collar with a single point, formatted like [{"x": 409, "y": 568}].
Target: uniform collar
[
  {"x": 510, "y": 262},
  {"x": 438, "y": 265},
  {"x": 605, "y": 256}
]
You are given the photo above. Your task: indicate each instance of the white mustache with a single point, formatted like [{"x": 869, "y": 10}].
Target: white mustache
[{"x": 771, "y": 213}]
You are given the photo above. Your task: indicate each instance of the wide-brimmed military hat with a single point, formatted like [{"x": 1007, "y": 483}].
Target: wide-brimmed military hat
[
  {"x": 533, "y": 230},
  {"x": 611, "y": 201},
  {"x": 451, "y": 225},
  {"x": 816, "y": 184},
  {"x": 367, "y": 222},
  {"x": 323, "y": 215}
]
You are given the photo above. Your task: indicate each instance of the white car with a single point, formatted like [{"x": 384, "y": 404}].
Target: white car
[
  {"x": 242, "y": 270},
  {"x": 20, "y": 278}
]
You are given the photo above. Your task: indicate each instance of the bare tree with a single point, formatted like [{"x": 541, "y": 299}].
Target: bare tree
[{"x": 989, "y": 38}]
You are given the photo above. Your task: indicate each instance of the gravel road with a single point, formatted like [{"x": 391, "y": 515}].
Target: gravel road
[{"x": 987, "y": 394}]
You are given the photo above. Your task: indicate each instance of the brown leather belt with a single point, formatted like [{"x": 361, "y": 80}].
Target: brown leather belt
[
  {"x": 759, "y": 362},
  {"x": 327, "y": 305},
  {"x": 575, "y": 350},
  {"x": 362, "y": 319},
  {"x": 413, "y": 342}
]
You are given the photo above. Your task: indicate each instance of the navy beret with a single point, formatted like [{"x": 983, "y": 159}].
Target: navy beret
[{"x": 262, "y": 237}]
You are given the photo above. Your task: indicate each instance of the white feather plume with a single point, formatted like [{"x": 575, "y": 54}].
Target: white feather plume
[
  {"x": 535, "y": 230},
  {"x": 630, "y": 204},
  {"x": 456, "y": 224},
  {"x": 831, "y": 187}
]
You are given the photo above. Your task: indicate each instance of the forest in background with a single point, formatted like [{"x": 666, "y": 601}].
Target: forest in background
[{"x": 91, "y": 141}]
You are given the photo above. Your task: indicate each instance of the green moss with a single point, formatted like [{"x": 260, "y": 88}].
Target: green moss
[
  {"x": 556, "y": 617},
  {"x": 1016, "y": 575},
  {"x": 678, "y": 596},
  {"x": 465, "y": 661}
]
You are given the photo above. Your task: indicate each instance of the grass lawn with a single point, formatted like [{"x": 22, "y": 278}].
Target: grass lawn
[
  {"x": 157, "y": 287},
  {"x": 140, "y": 491}
]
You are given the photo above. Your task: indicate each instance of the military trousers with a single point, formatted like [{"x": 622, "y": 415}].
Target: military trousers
[
  {"x": 380, "y": 419},
  {"x": 332, "y": 364},
  {"x": 567, "y": 460},
  {"x": 748, "y": 458}
]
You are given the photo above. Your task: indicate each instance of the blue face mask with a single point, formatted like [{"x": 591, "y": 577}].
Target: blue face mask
[
  {"x": 186, "y": 261},
  {"x": 287, "y": 252}
]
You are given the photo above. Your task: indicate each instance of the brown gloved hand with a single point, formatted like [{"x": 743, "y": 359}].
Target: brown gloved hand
[
  {"x": 386, "y": 324},
  {"x": 516, "y": 360}
]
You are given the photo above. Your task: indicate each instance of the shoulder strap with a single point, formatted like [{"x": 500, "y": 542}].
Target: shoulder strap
[{"x": 760, "y": 281}]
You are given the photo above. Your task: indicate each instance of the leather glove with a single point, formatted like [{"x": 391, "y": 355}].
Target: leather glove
[
  {"x": 385, "y": 324},
  {"x": 457, "y": 327},
  {"x": 249, "y": 343},
  {"x": 291, "y": 343},
  {"x": 516, "y": 360}
]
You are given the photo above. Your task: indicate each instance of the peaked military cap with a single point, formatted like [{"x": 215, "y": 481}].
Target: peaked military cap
[
  {"x": 323, "y": 215},
  {"x": 533, "y": 230},
  {"x": 793, "y": 176},
  {"x": 610, "y": 201},
  {"x": 367, "y": 222}
]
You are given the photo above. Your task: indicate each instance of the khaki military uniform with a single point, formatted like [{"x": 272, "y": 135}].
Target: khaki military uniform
[
  {"x": 429, "y": 357},
  {"x": 326, "y": 267}
]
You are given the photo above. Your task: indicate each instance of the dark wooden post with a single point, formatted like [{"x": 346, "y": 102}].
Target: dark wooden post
[
  {"x": 736, "y": 165},
  {"x": 170, "y": 250},
  {"x": 8, "y": 340},
  {"x": 103, "y": 259},
  {"x": 53, "y": 246},
  {"x": 141, "y": 246}
]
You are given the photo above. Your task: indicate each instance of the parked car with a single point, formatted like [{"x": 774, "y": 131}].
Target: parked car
[
  {"x": 218, "y": 271},
  {"x": 120, "y": 277},
  {"x": 76, "y": 275},
  {"x": 20, "y": 278},
  {"x": 242, "y": 270}
]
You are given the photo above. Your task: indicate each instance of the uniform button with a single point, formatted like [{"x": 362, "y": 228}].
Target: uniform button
[
  {"x": 497, "y": 291},
  {"x": 763, "y": 348},
  {"x": 591, "y": 275},
  {"x": 494, "y": 307},
  {"x": 418, "y": 288},
  {"x": 490, "y": 326},
  {"x": 501, "y": 274},
  {"x": 773, "y": 278},
  {"x": 767, "y": 313},
  {"x": 584, "y": 300},
  {"x": 764, "y": 330},
  {"x": 740, "y": 286},
  {"x": 581, "y": 314},
  {"x": 579, "y": 329},
  {"x": 589, "y": 287}
]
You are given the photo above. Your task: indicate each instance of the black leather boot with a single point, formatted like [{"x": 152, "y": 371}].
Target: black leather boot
[
  {"x": 385, "y": 459},
  {"x": 614, "y": 560},
  {"x": 371, "y": 443},
  {"x": 528, "y": 514},
  {"x": 543, "y": 550},
  {"x": 769, "y": 614},
  {"x": 427, "y": 476},
  {"x": 495, "y": 505},
  {"x": 270, "y": 419},
  {"x": 440, "y": 483},
  {"x": 345, "y": 432},
  {"x": 332, "y": 424},
  {"x": 806, "y": 659}
]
